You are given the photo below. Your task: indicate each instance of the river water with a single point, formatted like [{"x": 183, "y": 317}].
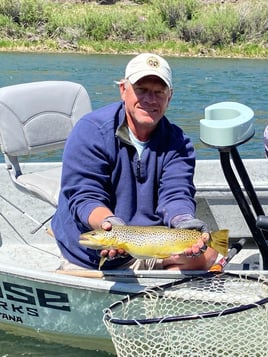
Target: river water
[{"x": 198, "y": 82}]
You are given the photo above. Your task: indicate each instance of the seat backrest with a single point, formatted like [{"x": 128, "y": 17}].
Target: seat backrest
[{"x": 39, "y": 116}]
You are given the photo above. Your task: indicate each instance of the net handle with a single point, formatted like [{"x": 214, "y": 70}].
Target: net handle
[{"x": 235, "y": 249}]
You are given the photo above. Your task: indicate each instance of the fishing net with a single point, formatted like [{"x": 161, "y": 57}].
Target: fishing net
[{"x": 214, "y": 316}]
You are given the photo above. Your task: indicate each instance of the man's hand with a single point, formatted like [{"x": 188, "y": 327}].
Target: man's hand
[{"x": 186, "y": 221}]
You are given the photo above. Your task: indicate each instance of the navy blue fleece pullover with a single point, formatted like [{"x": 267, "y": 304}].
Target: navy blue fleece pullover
[{"x": 101, "y": 167}]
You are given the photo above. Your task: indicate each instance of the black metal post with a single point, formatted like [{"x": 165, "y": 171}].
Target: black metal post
[{"x": 243, "y": 204}]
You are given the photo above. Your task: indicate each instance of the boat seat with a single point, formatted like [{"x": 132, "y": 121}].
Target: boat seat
[
  {"x": 37, "y": 118},
  {"x": 227, "y": 124}
]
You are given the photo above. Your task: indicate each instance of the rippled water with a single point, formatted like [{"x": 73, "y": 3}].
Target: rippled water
[
  {"x": 19, "y": 346},
  {"x": 198, "y": 82}
]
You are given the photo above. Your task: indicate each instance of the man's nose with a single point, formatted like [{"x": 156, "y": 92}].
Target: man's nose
[{"x": 150, "y": 97}]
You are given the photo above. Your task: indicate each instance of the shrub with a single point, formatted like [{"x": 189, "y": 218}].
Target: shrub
[
  {"x": 218, "y": 26},
  {"x": 24, "y": 12},
  {"x": 11, "y": 9},
  {"x": 174, "y": 11},
  {"x": 33, "y": 12},
  {"x": 147, "y": 24},
  {"x": 253, "y": 21},
  {"x": 139, "y": 28}
]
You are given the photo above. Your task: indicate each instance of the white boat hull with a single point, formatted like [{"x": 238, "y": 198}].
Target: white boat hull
[
  {"x": 59, "y": 312},
  {"x": 60, "y": 308}
]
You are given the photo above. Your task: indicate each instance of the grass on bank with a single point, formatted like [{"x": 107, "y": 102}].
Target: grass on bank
[{"x": 173, "y": 27}]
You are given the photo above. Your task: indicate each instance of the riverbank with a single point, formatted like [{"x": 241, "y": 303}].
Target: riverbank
[{"x": 188, "y": 28}]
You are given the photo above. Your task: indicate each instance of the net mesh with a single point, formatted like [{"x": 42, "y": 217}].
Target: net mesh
[{"x": 215, "y": 316}]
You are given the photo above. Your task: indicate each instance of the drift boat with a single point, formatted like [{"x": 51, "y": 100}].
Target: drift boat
[{"x": 35, "y": 299}]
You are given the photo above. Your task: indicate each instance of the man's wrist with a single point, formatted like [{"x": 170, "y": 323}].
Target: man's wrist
[{"x": 175, "y": 222}]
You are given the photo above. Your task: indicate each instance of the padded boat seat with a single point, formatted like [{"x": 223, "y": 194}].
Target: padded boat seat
[
  {"x": 43, "y": 184},
  {"x": 227, "y": 124},
  {"x": 38, "y": 117}
]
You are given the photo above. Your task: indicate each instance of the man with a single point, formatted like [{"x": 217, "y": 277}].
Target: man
[{"x": 127, "y": 164}]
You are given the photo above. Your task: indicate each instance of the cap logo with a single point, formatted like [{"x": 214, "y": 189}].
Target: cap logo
[{"x": 153, "y": 62}]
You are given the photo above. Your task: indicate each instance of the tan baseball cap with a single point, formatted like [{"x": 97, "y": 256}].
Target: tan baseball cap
[{"x": 148, "y": 64}]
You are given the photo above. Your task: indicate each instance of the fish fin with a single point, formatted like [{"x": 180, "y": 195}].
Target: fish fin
[
  {"x": 102, "y": 261},
  {"x": 219, "y": 241}
]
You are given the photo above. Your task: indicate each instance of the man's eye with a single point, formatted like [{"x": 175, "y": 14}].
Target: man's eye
[{"x": 140, "y": 90}]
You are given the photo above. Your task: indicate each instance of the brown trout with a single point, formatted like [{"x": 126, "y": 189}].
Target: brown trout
[{"x": 151, "y": 241}]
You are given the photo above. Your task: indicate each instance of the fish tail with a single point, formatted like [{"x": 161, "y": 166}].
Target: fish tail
[{"x": 219, "y": 241}]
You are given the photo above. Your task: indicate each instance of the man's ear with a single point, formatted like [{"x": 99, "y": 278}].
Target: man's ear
[
  {"x": 122, "y": 88},
  {"x": 171, "y": 94}
]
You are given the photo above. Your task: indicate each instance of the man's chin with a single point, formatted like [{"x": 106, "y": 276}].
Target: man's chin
[{"x": 148, "y": 119}]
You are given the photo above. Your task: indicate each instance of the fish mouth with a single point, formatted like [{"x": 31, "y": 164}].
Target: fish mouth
[
  {"x": 90, "y": 241},
  {"x": 87, "y": 243},
  {"x": 83, "y": 239}
]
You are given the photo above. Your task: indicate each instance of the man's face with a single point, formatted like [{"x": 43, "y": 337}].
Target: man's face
[{"x": 146, "y": 101}]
